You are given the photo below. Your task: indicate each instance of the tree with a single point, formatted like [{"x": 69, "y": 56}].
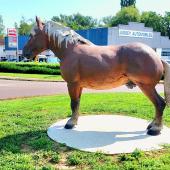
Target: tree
[
  {"x": 126, "y": 3},
  {"x": 76, "y": 21},
  {"x": 107, "y": 21},
  {"x": 1, "y": 27},
  {"x": 152, "y": 19},
  {"x": 25, "y": 26},
  {"x": 125, "y": 15},
  {"x": 165, "y": 26}
]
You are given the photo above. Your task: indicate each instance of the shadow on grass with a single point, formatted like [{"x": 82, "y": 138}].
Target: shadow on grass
[{"x": 30, "y": 142}]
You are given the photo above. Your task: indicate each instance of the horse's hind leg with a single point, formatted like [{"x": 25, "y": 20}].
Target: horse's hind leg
[
  {"x": 75, "y": 93},
  {"x": 155, "y": 127}
]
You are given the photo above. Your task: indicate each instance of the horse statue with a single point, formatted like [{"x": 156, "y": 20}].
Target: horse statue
[{"x": 85, "y": 65}]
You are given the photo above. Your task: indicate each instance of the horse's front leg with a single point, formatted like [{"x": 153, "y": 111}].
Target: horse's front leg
[{"x": 75, "y": 91}]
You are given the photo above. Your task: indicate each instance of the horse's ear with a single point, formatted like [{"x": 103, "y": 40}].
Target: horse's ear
[{"x": 40, "y": 24}]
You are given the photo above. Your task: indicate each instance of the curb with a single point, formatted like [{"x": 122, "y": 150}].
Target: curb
[
  {"x": 39, "y": 80},
  {"x": 28, "y": 79}
]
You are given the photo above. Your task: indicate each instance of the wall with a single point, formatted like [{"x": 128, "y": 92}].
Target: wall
[
  {"x": 2, "y": 50},
  {"x": 98, "y": 35}
]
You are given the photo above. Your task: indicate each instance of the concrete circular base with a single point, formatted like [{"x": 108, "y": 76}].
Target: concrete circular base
[{"x": 109, "y": 134}]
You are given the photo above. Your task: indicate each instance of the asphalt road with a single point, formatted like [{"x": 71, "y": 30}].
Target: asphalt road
[{"x": 15, "y": 89}]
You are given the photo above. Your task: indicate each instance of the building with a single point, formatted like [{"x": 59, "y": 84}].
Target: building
[
  {"x": 133, "y": 32},
  {"x": 137, "y": 32},
  {"x": 121, "y": 34},
  {"x": 2, "y": 46},
  {"x": 11, "y": 53}
]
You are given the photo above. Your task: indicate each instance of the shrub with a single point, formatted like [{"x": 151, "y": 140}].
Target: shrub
[{"x": 31, "y": 68}]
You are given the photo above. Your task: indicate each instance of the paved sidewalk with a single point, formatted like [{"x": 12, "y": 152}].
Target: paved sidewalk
[{"x": 16, "y": 89}]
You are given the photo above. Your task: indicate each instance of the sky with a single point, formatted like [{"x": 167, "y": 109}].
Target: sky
[{"x": 13, "y": 10}]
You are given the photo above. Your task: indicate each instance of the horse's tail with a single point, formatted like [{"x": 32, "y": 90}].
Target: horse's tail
[{"x": 166, "y": 82}]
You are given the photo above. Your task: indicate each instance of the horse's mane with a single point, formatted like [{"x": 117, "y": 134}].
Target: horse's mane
[{"x": 61, "y": 34}]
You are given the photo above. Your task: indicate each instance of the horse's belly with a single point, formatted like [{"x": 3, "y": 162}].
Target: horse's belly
[{"x": 104, "y": 84}]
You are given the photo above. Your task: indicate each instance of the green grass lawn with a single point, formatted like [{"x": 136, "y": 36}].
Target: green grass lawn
[
  {"x": 24, "y": 143},
  {"x": 33, "y": 76}
]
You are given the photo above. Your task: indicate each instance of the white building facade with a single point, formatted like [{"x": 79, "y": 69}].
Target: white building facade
[{"x": 137, "y": 32}]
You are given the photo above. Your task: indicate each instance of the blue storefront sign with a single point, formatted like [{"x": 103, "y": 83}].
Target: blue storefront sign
[{"x": 22, "y": 40}]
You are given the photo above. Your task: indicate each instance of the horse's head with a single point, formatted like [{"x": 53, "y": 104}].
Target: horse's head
[
  {"x": 38, "y": 41},
  {"x": 53, "y": 36}
]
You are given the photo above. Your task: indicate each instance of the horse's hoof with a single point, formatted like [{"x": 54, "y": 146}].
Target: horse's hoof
[
  {"x": 69, "y": 126},
  {"x": 149, "y": 126},
  {"x": 153, "y": 132}
]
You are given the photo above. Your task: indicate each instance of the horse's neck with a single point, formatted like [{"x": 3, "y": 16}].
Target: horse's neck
[
  {"x": 64, "y": 43},
  {"x": 61, "y": 50},
  {"x": 55, "y": 48}
]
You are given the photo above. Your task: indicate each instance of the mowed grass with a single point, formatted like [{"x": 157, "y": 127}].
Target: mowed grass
[
  {"x": 24, "y": 143},
  {"x": 33, "y": 76}
]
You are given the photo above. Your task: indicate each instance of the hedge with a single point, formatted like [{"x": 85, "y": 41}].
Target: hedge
[{"x": 30, "y": 67}]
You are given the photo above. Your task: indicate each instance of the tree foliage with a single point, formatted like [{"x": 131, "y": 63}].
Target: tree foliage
[
  {"x": 152, "y": 19},
  {"x": 165, "y": 26},
  {"x": 125, "y": 15},
  {"x": 107, "y": 21},
  {"x": 126, "y": 3},
  {"x": 76, "y": 21},
  {"x": 25, "y": 26}
]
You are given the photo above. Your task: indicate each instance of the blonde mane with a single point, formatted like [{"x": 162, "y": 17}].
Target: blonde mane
[{"x": 62, "y": 34}]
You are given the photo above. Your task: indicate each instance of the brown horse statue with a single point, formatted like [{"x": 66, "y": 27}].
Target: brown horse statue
[{"x": 85, "y": 65}]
